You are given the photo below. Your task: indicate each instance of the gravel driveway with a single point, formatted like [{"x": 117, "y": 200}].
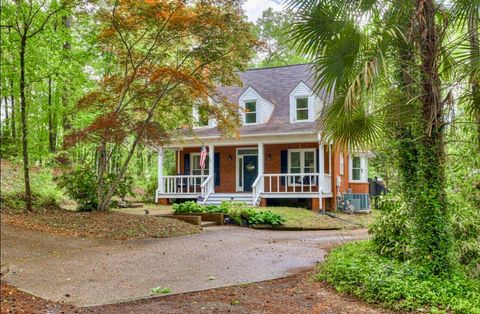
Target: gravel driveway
[{"x": 88, "y": 272}]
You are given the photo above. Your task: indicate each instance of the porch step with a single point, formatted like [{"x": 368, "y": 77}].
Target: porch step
[{"x": 218, "y": 198}]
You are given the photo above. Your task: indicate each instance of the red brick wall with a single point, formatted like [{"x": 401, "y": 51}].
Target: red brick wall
[
  {"x": 272, "y": 165},
  {"x": 359, "y": 187}
]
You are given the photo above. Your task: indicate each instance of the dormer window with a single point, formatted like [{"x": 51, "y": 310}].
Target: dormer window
[
  {"x": 302, "y": 108},
  {"x": 250, "y": 111},
  {"x": 302, "y": 104},
  {"x": 202, "y": 117}
]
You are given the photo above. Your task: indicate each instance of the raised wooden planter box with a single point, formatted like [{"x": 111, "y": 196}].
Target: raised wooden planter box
[
  {"x": 218, "y": 218},
  {"x": 194, "y": 220}
]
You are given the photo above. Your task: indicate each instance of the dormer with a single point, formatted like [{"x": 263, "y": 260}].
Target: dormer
[
  {"x": 304, "y": 104},
  {"x": 254, "y": 108},
  {"x": 201, "y": 117}
]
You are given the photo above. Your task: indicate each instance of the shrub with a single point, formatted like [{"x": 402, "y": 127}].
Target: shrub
[
  {"x": 80, "y": 185},
  {"x": 265, "y": 218},
  {"x": 358, "y": 269},
  {"x": 187, "y": 208},
  {"x": 15, "y": 202},
  {"x": 392, "y": 231},
  {"x": 232, "y": 208}
]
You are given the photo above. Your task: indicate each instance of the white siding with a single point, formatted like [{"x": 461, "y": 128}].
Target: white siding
[
  {"x": 264, "y": 107},
  {"x": 314, "y": 103}
]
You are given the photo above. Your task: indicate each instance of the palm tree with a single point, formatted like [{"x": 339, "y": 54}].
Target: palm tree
[
  {"x": 466, "y": 16},
  {"x": 381, "y": 60}
]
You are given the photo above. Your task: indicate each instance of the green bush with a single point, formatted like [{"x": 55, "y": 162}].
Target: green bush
[
  {"x": 392, "y": 230},
  {"x": 15, "y": 202},
  {"x": 80, "y": 185},
  {"x": 187, "y": 208},
  {"x": 232, "y": 208},
  {"x": 191, "y": 207},
  {"x": 358, "y": 269},
  {"x": 265, "y": 218}
]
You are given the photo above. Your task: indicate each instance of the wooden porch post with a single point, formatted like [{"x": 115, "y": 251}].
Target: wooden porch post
[
  {"x": 321, "y": 169},
  {"x": 261, "y": 159},
  {"x": 161, "y": 187},
  {"x": 211, "y": 166}
]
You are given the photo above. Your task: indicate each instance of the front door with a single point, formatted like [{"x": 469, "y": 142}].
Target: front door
[{"x": 250, "y": 172}]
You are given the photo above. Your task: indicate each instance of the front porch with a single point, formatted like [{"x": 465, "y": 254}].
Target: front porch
[{"x": 251, "y": 173}]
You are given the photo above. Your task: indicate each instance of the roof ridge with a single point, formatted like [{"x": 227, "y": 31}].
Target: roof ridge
[{"x": 278, "y": 66}]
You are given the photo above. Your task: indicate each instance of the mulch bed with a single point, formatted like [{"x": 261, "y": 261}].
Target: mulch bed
[
  {"x": 294, "y": 294},
  {"x": 102, "y": 225},
  {"x": 16, "y": 301}
]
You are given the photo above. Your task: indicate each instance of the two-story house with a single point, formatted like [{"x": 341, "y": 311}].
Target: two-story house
[{"x": 279, "y": 153}]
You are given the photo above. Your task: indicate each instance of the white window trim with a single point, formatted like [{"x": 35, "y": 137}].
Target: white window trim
[
  {"x": 244, "y": 114},
  {"x": 342, "y": 163},
  {"x": 363, "y": 169},
  {"x": 196, "y": 118},
  {"x": 302, "y": 161},
  {"x": 296, "y": 97},
  {"x": 191, "y": 164},
  {"x": 239, "y": 165}
]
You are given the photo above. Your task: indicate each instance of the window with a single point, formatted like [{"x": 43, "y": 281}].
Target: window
[
  {"x": 202, "y": 116},
  {"x": 356, "y": 169},
  {"x": 195, "y": 167},
  {"x": 302, "y": 108},
  {"x": 301, "y": 161},
  {"x": 251, "y": 112},
  {"x": 342, "y": 164}
]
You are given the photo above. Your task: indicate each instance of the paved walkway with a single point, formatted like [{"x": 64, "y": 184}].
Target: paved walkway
[{"x": 91, "y": 272}]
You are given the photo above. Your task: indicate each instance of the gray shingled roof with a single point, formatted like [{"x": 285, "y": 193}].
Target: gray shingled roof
[{"x": 275, "y": 85}]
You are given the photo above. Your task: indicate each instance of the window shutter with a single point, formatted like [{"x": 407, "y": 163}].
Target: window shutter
[
  {"x": 216, "y": 168},
  {"x": 186, "y": 164},
  {"x": 283, "y": 164},
  {"x": 317, "y": 156}
]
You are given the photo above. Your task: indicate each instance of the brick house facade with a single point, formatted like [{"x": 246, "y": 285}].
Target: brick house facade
[{"x": 278, "y": 155}]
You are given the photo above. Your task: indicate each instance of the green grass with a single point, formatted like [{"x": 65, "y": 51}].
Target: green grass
[
  {"x": 304, "y": 218},
  {"x": 356, "y": 268},
  {"x": 296, "y": 217}
]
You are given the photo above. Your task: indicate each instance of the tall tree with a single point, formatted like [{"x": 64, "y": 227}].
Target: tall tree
[
  {"x": 359, "y": 48},
  {"x": 166, "y": 57},
  {"x": 275, "y": 47},
  {"x": 30, "y": 20}
]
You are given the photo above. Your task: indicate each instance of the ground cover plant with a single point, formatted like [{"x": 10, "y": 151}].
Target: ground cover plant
[{"x": 357, "y": 268}]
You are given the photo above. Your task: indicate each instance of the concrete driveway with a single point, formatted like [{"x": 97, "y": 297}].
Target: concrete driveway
[{"x": 88, "y": 272}]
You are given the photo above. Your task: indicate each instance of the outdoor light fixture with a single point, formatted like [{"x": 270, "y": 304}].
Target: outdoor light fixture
[
  {"x": 229, "y": 156},
  {"x": 269, "y": 156}
]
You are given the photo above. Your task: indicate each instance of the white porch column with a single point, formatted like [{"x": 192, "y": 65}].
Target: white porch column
[
  {"x": 261, "y": 159},
  {"x": 161, "y": 187},
  {"x": 321, "y": 169},
  {"x": 261, "y": 166},
  {"x": 211, "y": 166}
]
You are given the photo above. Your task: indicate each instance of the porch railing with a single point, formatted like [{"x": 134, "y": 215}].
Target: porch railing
[
  {"x": 183, "y": 184},
  {"x": 291, "y": 182},
  {"x": 257, "y": 189},
  {"x": 207, "y": 188}
]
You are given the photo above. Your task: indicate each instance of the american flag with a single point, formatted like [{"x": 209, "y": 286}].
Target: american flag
[{"x": 203, "y": 157}]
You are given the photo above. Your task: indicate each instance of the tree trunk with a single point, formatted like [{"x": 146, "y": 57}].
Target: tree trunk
[
  {"x": 12, "y": 115},
  {"x": 51, "y": 113},
  {"x": 67, "y": 121},
  {"x": 101, "y": 171},
  {"x": 23, "y": 109},
  {"x": 433, "y": 241}
]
